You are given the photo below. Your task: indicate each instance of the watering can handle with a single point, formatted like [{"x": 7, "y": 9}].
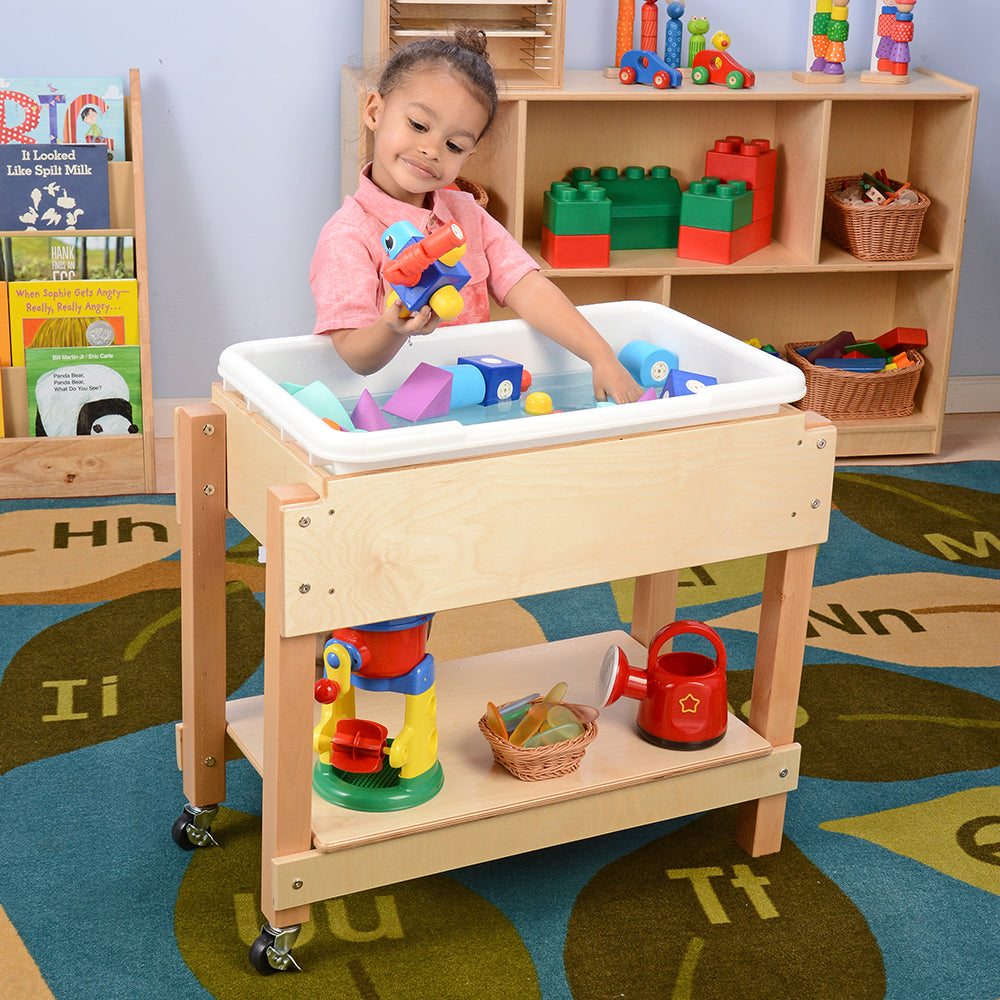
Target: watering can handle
[{"x": 684, "y": 627}]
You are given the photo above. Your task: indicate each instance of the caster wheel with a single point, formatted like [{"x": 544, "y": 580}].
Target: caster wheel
[
  {"x": 179, "y": 832},
  {"x": 258, "y": 954}
]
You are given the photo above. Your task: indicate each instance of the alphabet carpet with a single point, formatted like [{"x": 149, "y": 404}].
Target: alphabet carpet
[{"x": 887, "y": 884}]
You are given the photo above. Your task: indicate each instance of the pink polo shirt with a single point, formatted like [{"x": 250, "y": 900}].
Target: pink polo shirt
[{"x": 346, "y": 272}]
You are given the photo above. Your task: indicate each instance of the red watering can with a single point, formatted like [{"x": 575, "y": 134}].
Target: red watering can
[{"x": 682, "y": 696}]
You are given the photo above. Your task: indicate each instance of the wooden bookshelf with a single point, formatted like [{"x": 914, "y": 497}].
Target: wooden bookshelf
[
  {"x": 801, "y": 286},
  {"x": 92, "y": 466}
]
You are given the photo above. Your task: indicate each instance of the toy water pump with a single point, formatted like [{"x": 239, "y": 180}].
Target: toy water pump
[
  {"x": 359, "y": 766},
  {"x": 682, "y": 696}
]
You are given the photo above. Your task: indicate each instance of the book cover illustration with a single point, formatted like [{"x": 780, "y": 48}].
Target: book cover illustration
[
  {"x": 66, "y": 257},
  {"x": 41, "y": 110},
  {"x": 54, "y": 314},
  {"x": 53, "y": 186},
  {"x": 83, "y": 391}
]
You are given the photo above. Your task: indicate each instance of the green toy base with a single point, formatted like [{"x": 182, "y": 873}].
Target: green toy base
[{"x": 383, "y": 791}]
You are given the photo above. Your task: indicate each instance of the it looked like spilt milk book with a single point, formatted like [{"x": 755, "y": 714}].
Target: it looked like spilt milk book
[
  {"x": 53, "y": 186},
  {"x": 58, "y": 110}
]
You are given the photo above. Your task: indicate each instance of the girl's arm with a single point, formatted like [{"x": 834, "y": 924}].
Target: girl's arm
[
  {"x": 542, "y": 304},
  {"x": 369, "y": 348}
]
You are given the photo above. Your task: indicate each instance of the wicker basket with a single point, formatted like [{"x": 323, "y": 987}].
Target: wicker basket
[
  {"x": 536, "y": 763},
  {"x": 476, "y": 190},
  {"x": 841, "y": 395},
  {"x": 873, "y": 232}
]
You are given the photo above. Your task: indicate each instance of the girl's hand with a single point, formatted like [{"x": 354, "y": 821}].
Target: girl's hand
[
  {"x": 416, "y": 324},
  {"x": 612, "y": 381}
]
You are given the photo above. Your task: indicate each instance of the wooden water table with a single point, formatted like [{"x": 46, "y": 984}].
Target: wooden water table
[{"x": 380, "y": 544}]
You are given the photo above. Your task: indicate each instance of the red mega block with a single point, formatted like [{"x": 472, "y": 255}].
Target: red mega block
[
  {"x": 734, "y": 159},
  {"x": 719, "y": 247},
  {"x": 576, "y": 251}
]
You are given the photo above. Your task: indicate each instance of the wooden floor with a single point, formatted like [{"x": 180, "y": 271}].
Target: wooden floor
[{"x": 967, "y": 436}]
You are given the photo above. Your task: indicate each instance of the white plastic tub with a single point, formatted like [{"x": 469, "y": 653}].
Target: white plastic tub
[{"x": 750, "y": 383}]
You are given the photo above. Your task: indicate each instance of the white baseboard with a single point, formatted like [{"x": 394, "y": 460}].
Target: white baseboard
[
  {"x": 973, "y": 394},
  {"x": 966, "y": 394}
]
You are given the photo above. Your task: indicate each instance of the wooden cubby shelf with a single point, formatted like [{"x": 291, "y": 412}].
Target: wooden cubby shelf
[
  {"x": 800, "y": 287},
  {"x": 94, "y": 466}
]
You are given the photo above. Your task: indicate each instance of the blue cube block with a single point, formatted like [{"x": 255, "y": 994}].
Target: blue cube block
[
  {"x": 503, "y": 377},
  {"x": 681, "y": 383}
]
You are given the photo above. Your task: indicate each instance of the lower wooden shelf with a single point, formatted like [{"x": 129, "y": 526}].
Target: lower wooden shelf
[{"x": 482, "y": 812}]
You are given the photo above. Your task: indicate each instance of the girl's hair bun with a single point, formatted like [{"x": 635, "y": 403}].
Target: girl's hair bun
[{"x": 473, "y": 39}]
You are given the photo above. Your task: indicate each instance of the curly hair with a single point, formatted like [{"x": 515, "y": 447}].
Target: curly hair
[{"x": 464, "y": 54}]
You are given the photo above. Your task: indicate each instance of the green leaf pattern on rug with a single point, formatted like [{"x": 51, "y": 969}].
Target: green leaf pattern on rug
[
  {"x": 111, "y": 670},
  {"x": 429, "y": 937},
  {"x": 861, "y": 723},
  {"x": 954, "y": 523},
  {"x": 724, "y": 924}
]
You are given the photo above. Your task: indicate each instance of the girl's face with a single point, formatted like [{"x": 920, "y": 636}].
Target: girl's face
[{"x": 424, "y": 131}]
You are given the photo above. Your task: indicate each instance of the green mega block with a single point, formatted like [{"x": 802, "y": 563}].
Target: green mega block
[
  {"x": 645, "y": 206},
  {"x": 710, "y": 204},
  {"x": 576, "y": 211}
]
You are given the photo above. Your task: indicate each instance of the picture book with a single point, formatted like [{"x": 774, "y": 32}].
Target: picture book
[
  {"x": 49, "y": 110},
  {"x": 83, "y": 391},
  {"x": 68, "y": 314},
  {"x": 53, "y": 186},
  {"x": 66, "y": 257}
]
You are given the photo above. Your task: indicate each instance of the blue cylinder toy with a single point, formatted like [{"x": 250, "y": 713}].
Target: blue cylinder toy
[
  {"x": 648, "y": 364},
  {"x": 468, "y": 385}
]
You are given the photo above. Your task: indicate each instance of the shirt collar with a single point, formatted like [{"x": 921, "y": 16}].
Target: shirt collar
[{"x": 388, "y": 210}]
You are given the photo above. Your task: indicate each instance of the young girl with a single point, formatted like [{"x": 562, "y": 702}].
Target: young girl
[{"x": 435, "y": 100}]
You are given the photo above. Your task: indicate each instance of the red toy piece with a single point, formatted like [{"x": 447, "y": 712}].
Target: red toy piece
[
  {"x": 901, "y": 337},
  {"x": 414, "y": 259},
  {"x": 576, "y": 251}
]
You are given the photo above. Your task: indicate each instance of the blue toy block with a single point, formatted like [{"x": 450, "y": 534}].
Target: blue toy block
[
  {"x": 503, "y": 378},
  {"x": 681, "y": 383},
  {"x": 426, "y": 393},
  {"x": 321, "y": 401},
  {"x": 648, "y": 364},
  {"x": 852, "y": 364}
]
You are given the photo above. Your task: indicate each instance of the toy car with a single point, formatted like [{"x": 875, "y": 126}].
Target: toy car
[
  {"x": 640, "y": 66},
  {"x": 712, "y": 66}
]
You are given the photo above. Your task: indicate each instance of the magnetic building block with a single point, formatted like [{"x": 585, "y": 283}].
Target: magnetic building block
[
  {"x": 503, "y": 377},
  {"x": 648, "y": 364}
]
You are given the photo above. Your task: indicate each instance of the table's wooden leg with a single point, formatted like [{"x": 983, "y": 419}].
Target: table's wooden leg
[
  {"x": 289, "y": 674},
  {"x": 200, "y": 443},
  {"x": 654, "y": 604},
  {"x": 774, "y": 702}
]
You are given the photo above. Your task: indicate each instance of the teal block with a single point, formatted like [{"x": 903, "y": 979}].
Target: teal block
[
  {"x": 708, "y": 204},
  {"x": 576, "y": 211},
  {"x": 321, "y": 401}
]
